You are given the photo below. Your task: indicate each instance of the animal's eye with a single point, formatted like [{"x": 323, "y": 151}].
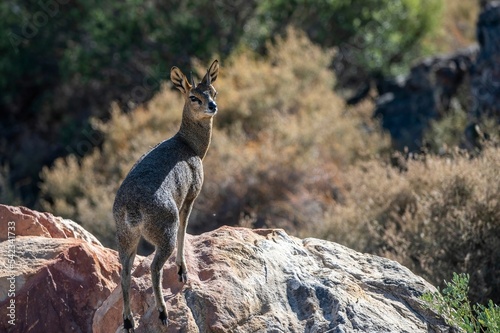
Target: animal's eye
[{"x": 195, "y": 99}]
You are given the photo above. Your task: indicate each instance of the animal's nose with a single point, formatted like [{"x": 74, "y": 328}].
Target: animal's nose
[{"x": 212, "y": 106}]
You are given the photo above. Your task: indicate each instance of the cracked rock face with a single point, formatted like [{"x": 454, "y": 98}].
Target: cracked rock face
[{"x": 240, "y": 280}]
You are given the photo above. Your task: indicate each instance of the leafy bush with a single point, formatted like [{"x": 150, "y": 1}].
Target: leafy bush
[
  {"x": 8, "y": 195},
  {"x": 439, "y": 217},
  {"x": 453, "y": 303},
  {"x": 376, "y": 36},
  {"x": 453, "y": 130},
  {"x": 281, "y": 136}
]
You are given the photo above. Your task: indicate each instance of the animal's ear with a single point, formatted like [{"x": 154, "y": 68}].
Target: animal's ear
[
  {"x": 179, "y": 80},
  {"x": 212, "y": 73}
]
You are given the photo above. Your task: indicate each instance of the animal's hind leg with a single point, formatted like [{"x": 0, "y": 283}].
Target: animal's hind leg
[
  {"x": 127, "y": 246},
  {"x": 163, "y": 252}
]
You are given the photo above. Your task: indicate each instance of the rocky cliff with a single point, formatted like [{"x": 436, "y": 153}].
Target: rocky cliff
[
  {"x": 467, "y": 80},
  {"x": 240, "y": 280}
]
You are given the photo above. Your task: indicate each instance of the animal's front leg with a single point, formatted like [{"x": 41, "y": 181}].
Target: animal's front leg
[{"x": 181, "y": 234}]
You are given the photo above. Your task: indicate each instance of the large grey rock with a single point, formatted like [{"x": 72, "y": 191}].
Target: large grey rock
[{"x": 243, "y": 280}]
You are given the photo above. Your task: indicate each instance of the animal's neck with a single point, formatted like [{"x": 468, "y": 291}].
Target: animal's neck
[{"x": 197, "y": 134}]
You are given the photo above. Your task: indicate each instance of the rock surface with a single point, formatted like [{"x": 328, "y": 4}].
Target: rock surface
[
  {"x": 28, "y": 222},
  {"x": 240, "y": 280},
  {"x": 243, "y": 280},
  {"x": 56, "y": 272},
  {"x": 59, "y": 282}
]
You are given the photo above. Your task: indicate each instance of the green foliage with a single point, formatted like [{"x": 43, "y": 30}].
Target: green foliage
[
  {"x": 86, "y": 38},
  {"x": 451, "y": 131},
  {"x": 8, "y": 195},
  {"x": 377, "y": 36},
  {"x": 453, "y": 303},
  {"x": 456, "y": 28},
  {"x": 64, "y": 61}
]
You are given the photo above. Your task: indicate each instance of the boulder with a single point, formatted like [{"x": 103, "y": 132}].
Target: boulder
[
  {"x": 240, "y": 280},
  {"x": 243, "y": 280},
  {"x": 22, "y": 221},
  {"x": 54, "y": 272},
  {"x": 56, "y": 283}
]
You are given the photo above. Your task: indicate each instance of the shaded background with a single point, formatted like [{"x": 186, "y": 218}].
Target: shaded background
[{"x": 370, "y": 123}]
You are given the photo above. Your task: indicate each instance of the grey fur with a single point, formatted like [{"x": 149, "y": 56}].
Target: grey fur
[{"x": 157, "y": 196}]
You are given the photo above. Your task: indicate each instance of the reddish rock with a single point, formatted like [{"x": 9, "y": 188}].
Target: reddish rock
[
  {"x": 21, "y": 221},
  {"x": 59, "y": 283}
]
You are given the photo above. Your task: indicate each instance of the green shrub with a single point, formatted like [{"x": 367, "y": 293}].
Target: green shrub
[
  {"x": 381, "y": 36},
  {"x": 64, "y": 62},
  {"x": 8, "y": 194},
  {"x": 453, "y": 303},
  {"x": 456, "y": 27},
  {"x": 453, "y": 130}
]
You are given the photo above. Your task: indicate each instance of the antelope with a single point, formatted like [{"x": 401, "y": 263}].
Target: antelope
[{"x": 156, "y": 197}]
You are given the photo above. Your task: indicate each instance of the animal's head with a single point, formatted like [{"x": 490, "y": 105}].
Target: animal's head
[{"x": 200, "y": 98}]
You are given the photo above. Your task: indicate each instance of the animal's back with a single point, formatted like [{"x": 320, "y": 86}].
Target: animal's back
[{"x": 170, "y": 171}]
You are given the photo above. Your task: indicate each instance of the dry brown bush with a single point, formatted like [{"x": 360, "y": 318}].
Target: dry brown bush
[
  {"x": 457, "y": 26},
  {"x": 281, "y": 135},
  {"x": 439, "y": 217}
]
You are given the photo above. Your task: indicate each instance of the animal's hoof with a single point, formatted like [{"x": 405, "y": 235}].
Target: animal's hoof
[
  {"x": 163, "y": 317},
  {"x": 128, "y": 324},
  {"x": 182, "y": 275}
]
